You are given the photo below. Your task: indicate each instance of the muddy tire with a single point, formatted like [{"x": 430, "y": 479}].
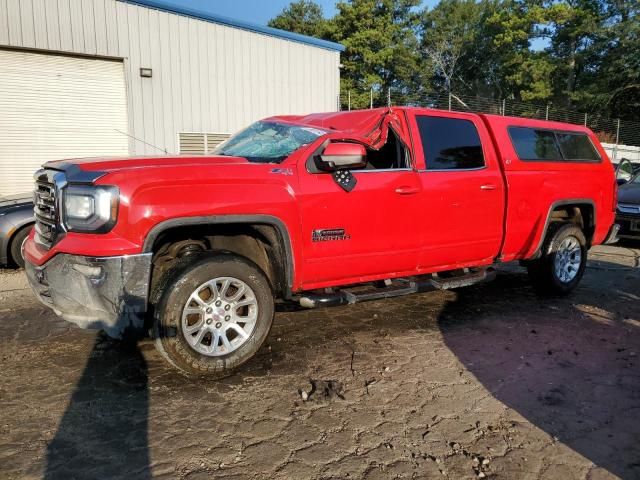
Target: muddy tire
[
  {"x": 16, "y": 246},
  {"x": 213, "y": 314},
  {"x": 563, "y": 261}
]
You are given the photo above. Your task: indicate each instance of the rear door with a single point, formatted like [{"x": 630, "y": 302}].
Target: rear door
[{"x": 463, "y": 199}]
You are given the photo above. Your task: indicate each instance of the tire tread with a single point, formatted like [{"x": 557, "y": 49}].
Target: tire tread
[{"x": 542, "y": 272}]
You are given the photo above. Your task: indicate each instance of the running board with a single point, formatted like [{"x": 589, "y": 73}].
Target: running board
[{"x": 396, "y": 288}]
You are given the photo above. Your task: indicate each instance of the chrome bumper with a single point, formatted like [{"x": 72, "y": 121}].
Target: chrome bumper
[{"x": 108, "y": 293}]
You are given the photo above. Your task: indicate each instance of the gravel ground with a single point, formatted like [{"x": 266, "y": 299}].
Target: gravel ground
[{"x": 484, "y": 382}]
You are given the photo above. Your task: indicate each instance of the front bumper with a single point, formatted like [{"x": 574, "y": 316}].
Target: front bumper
[
  {"x": 628, "y": 226},
  {"x": 612, "y": 236},
  {"x": 108, "y": 293}
]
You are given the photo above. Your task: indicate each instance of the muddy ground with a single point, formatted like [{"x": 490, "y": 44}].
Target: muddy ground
[{"x": 485, "y": 382}]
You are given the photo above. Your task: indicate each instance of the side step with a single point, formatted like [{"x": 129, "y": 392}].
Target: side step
[{"x": 396, "y": 288}]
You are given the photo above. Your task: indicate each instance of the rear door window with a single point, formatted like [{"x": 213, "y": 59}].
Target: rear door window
[{"x": 450, "y": 143}]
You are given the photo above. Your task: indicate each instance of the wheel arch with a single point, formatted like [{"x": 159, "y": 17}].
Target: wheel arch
[
  {"x": 278, "y": 226},
  {"x": 584, "y": 210},
  {"x": 10, "y": 230}
]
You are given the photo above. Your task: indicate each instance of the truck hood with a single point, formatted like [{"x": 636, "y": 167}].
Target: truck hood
[
  {"x": 107, "y": 165},
  {"x": 629, "y": 193}
]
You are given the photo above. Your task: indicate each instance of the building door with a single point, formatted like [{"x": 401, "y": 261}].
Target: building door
[{"x": 54, "y": 107}]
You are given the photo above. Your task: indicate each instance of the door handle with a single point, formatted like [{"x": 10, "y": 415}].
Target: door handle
[
  {"x": 406, "y": 190},
  {"x": 488, "y": 186}
]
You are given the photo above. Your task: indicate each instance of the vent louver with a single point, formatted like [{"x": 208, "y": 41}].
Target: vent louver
[{"x": 200, "y": 143}]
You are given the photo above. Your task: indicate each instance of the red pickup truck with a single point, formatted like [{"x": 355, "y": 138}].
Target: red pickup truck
[{"x": 323, "y": 209}]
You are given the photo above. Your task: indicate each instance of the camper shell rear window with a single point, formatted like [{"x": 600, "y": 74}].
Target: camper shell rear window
[{"x": 543, "y": 145}]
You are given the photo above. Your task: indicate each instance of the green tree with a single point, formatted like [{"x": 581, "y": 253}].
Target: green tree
[
  {"x": 450, "y": 39},
  {"x": 518, "y": 72},
  {"x": 486, "y": 46},
  {"x": 381, "y": 48},
  {"x": 576, "y": 34},
  {"x": 619, "y": 79},
  {"x": 610, "y": 80},
  {"x": 304, "y": 17}
]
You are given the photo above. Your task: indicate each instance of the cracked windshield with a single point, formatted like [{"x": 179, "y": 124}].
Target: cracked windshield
[{"x": 268, "y": 142}]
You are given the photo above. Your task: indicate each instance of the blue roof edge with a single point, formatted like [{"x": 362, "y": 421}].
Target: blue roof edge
[{"x": 173, "y": 7}]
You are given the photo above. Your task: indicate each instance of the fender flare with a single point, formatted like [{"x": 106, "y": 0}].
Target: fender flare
[
  {"x": 552, "y": 207},
  {"x": 279, "y": 225}
]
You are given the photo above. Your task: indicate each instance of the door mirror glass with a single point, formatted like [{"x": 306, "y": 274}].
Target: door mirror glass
[
  {"x": 624, "y": 171},
  {"x": 342, "y": 155}
]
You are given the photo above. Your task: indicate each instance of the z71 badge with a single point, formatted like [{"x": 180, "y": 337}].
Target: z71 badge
[{"x": 329, "y": 235}]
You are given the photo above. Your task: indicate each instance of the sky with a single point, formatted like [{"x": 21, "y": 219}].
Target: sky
[
  {"x": 261, "y": 11},
  {"x": 258, "y": 11}
]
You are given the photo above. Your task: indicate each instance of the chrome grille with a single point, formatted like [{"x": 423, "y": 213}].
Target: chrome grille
[{"x": 45, "y": 208}]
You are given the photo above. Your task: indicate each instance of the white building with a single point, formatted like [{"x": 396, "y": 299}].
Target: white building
[{"x": 111, "y": 77}]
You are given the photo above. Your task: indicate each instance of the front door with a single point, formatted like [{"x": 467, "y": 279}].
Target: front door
[{"x": 349, "y": 237}]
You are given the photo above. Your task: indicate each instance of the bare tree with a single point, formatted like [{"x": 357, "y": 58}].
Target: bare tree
[{"x": 445, "y": 55}]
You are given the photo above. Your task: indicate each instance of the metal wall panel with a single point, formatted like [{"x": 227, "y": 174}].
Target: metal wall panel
[{"x": 207, "y": 77}]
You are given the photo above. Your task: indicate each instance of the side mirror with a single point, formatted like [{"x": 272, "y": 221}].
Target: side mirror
[
  {"x": 342, "y": 155},
  {"x": 622, "y": 181}
]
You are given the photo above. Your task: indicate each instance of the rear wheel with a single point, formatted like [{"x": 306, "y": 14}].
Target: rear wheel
[
  {"x": 564, "y": 259},
  {"x": 16, "y": 245},
  {"x": 213, "y": 315}
]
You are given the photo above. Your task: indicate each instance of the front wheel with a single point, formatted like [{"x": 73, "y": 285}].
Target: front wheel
[
  {"x": 213, "y": 315},
  {"x": 16, "y": 246},
  {"x": 563, "y": 262}
]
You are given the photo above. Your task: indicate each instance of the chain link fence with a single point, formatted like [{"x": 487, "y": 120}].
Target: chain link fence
[{"x": 608, "y": 130}]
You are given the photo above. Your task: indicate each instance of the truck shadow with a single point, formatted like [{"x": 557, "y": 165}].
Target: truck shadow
[
  {"x": 568, "y": 366},
  {"x": 103, "y": 432}
]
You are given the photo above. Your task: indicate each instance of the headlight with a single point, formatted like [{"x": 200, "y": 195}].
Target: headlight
[{"x": 90, "y": 208}]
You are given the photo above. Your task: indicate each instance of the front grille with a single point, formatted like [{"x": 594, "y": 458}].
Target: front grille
[{"x": 45, "y": 208}]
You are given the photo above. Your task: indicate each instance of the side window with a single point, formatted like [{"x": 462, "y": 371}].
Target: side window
[
  {"x": 547, "y": 145},
  {"x": 577, "y": 146},
  {"x": 391, "y": 156},
  {"x": 450, "y": 143},
  {"x": 533, "y": 144}
]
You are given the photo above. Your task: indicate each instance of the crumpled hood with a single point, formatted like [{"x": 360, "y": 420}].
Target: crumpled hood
[
  {"x": 629, "y": 193},
  {"x": 111, "y": 164}
]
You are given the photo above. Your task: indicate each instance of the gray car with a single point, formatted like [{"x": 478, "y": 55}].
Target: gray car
[
  {"x": 16, "y": 221},
  {"x": 628, "y": 211}
]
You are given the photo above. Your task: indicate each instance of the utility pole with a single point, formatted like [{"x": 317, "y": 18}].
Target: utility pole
[{"x": 615, "y": 150}]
